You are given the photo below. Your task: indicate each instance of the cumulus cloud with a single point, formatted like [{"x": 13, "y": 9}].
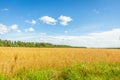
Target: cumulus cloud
[
  {"x": 48, "y": 20},
  {"x": 33, "y": 22},
  {"x": 15, "y": 28},
  {"x": 3, "y": 29},
  {"x": 30, "y": 29},
  {"x": 65, "y": 20}
]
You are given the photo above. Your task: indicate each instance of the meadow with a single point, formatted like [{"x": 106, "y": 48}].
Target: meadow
[{"x": 59, "y": 64}]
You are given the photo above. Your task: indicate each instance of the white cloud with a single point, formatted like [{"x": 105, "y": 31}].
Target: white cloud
[
  {"x": 15, "y": 28},
  {"x": 65, "y": 31},
  {"x": 33, "y": 22},
  {"x": 30, "y": 29},
  {"x": 18, "y": 31},
  {"x": 65, "y": 20},
  {"x": 48, "y": 20},
  {"x": 42, "y": 33},
  {"x": 3, "y": 29},
  {"x": 109, "y": 38},
  {"x": 101, "y": 39},
  {"x": 4, "y": 9}
]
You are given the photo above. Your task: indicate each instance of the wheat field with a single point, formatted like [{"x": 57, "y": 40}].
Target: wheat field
[{"x": 13, "y": 59}]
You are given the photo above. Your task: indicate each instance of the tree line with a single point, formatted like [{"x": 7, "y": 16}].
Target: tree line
[{"x": 9, "y": 43}]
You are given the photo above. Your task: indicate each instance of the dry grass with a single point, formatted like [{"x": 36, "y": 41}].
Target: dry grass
[{"x": 13, "y": 59}]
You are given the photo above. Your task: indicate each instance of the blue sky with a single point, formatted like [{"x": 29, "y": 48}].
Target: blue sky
[{"x": 91, "y": 23}]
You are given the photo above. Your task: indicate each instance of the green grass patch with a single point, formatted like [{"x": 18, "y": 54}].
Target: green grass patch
[
  {"x": 98, "y": 71},
  {"x": 3, "y": 77}
]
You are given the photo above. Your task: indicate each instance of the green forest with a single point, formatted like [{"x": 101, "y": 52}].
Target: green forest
[{"x": 9, "y": 43}]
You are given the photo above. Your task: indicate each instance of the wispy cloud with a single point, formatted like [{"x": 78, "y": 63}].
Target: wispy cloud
[
  {"x": 48, "y": 20},
  {"x": 30, "y": 29},
  {"x": 4, "y": 9},
  {"x": 101, "y": 39},
  {"x": 33, "y": 22},
  {"x": 97, "y": 11},
  {"x": 64, "y": 20},
  {"x": 65, "y": 31}
]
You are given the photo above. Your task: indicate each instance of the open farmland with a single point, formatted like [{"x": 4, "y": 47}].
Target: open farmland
[{"x": 14, "y": 59}]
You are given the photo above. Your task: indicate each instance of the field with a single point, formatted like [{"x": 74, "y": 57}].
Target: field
[{"x": 59, "y": 64}]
